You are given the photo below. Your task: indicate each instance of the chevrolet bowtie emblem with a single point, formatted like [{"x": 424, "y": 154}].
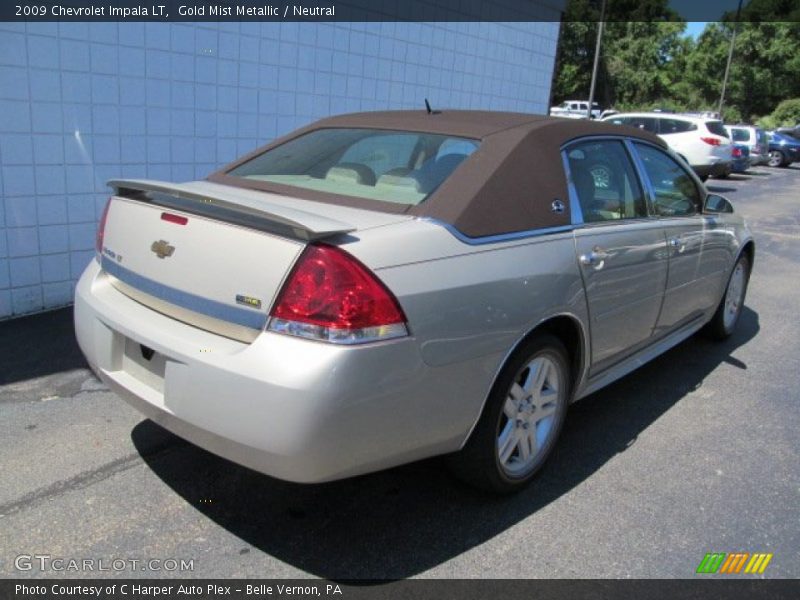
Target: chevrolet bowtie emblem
[{"x": 162, "y": 249}]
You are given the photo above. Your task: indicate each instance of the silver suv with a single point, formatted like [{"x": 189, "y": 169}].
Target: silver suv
[{"x": 752, "y": 137}]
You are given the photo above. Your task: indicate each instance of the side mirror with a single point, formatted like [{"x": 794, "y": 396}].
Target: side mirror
[{"x": 715, "y": 204}]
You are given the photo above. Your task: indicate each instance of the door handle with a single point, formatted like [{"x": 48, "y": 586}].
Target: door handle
[{"x": 596, "y": 257}]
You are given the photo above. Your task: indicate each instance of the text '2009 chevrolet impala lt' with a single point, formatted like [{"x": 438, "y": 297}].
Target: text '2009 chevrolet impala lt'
[{"x": 378, "y": 288}]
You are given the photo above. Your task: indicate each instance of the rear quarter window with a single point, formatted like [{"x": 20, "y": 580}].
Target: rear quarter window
[
  {"x": 645, "y": 123},
  {"x": 668, "y": 126}
]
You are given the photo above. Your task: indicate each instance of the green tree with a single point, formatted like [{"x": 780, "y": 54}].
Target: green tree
[
  {"x": 765, "y": 68},
  {"x": 638, "y": 46},
  {"x": 647, "y": 62}
]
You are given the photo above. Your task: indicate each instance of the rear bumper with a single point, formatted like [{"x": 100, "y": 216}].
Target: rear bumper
[
  {"x": 740, "y": 165},
  {"x": 295, "y": 409},
  {"x": 712, "y": 170}
]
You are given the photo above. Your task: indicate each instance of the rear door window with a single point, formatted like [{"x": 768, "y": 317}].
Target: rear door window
[{"x": 604, "y": 181}]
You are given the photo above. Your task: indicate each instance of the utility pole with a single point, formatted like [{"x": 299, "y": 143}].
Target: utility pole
[
  {"x": 597, "y": 58},
  {"x": 730, "y": 58}
]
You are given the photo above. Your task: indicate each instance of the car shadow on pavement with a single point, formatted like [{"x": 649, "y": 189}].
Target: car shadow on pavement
[
  {"x": 404, "y": 521},
  {"x": 39, "y": 345}
]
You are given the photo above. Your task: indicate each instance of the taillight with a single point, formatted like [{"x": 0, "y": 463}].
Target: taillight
[
  {"x": 172, "y": 218},
  {"x": 711, "y": 141},
  {"x": 101, "y": 229},
  {"x": 331, "y": 296},
  {"x": 736, "y": 152}
]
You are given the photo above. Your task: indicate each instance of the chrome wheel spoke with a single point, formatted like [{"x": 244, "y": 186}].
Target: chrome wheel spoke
[
  {"x": 544, "y": 411},
  {"x": 527, "y": 444},
  {"x": 507, "y": 442},
  {"x": 516, "y": 394},
  {"x": 510, "y": 407},
  {"x": 537, "y": 373}
]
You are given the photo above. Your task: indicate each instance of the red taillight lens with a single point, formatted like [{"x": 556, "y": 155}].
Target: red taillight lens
[
  {"x": 711, "y": 141},
  {"x": 331, "y": 296},
  {"x": 101, "y": 229},
  {"x": 736, "y": 152},
  {"x": 171, "y": 218}
]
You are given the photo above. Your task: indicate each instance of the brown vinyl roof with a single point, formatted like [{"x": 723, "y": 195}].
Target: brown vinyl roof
[{"x": 506, "y": 186}]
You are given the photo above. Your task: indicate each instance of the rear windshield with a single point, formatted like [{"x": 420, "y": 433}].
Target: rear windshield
[
  {"x": 393, "y": 166},
  {"x": 717, "y": 128},
  {"x": 740, "y": 135}
]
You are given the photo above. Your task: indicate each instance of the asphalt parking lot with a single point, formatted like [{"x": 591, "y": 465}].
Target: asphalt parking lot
[{"x": 696, "y": 452}]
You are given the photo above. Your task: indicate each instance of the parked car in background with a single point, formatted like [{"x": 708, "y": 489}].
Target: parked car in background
[
  {"x": 576, "y": 109},
  {"x": 783, "y": 149},
  {"x": 702, "y": 142},
  {"x": 754, "y": 138},
  {"x": 740, "y": 158},
  {"x": 790, "y": 131},
  {"x": 378, "y": 288}
]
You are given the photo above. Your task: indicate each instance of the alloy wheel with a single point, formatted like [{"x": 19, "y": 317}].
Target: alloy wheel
[
  {"x": 734, "y": 296},
  {"x": 529, "y": 413}
]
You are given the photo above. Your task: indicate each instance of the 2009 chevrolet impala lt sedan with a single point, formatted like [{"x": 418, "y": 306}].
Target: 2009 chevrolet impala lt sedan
[{"x": 378, "y": 288}]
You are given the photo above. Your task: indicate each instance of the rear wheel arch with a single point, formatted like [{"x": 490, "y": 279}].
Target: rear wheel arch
[
  {"x": 569, "y": 331},
  {"x": 505, "y": 450}
]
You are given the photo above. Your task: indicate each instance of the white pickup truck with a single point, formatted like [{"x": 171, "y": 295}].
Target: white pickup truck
[{"x": 575, "y": 109}]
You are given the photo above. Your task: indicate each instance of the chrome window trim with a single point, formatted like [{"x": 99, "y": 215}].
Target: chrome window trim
[
  {"x": 496, "y": 238},
  {"x": 575, "y": 209},
  {"x": 647, "y": 185}
]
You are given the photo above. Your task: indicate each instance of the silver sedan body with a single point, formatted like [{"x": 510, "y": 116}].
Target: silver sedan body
[{"x": 616, "y": 286}]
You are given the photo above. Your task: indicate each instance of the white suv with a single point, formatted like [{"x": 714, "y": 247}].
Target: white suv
[
  {"x": 701, "y": 141},
  {"x": 754, "y": 138}
]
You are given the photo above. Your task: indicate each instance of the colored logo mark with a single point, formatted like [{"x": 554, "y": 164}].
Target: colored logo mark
[{"x": 734, "y": 563}]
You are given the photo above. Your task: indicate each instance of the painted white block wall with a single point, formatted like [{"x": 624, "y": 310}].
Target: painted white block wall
[{"x": 83, "y": 103}]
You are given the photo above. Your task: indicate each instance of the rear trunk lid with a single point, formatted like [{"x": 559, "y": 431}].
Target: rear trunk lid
[{"x": 211, "y": 255}]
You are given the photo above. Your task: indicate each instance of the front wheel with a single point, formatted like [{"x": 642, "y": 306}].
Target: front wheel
[
  {"x": 521, "y": 420},
  {"x": 724, "y": 321}
]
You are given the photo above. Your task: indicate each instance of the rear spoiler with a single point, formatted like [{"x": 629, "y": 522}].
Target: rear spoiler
[{"x": 251, "y": 213}]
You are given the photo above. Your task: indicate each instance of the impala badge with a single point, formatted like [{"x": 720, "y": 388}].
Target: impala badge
[{"x": 162, "y": 249}]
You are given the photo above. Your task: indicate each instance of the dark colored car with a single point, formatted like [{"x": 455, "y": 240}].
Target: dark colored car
[
  {"x": 740, "y": 158},
  {"x": 793, "y": 132},
  {"x": 783, "y": 150}
]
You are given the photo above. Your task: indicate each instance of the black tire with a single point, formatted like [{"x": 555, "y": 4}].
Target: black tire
[
  {"x": 721, "y": 328},
  {"x": 478, "y": 463},
  {"x": 776, "y": 159}
]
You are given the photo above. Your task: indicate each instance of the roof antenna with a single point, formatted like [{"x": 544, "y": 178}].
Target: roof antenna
[{"x": 429, "y": 109}]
